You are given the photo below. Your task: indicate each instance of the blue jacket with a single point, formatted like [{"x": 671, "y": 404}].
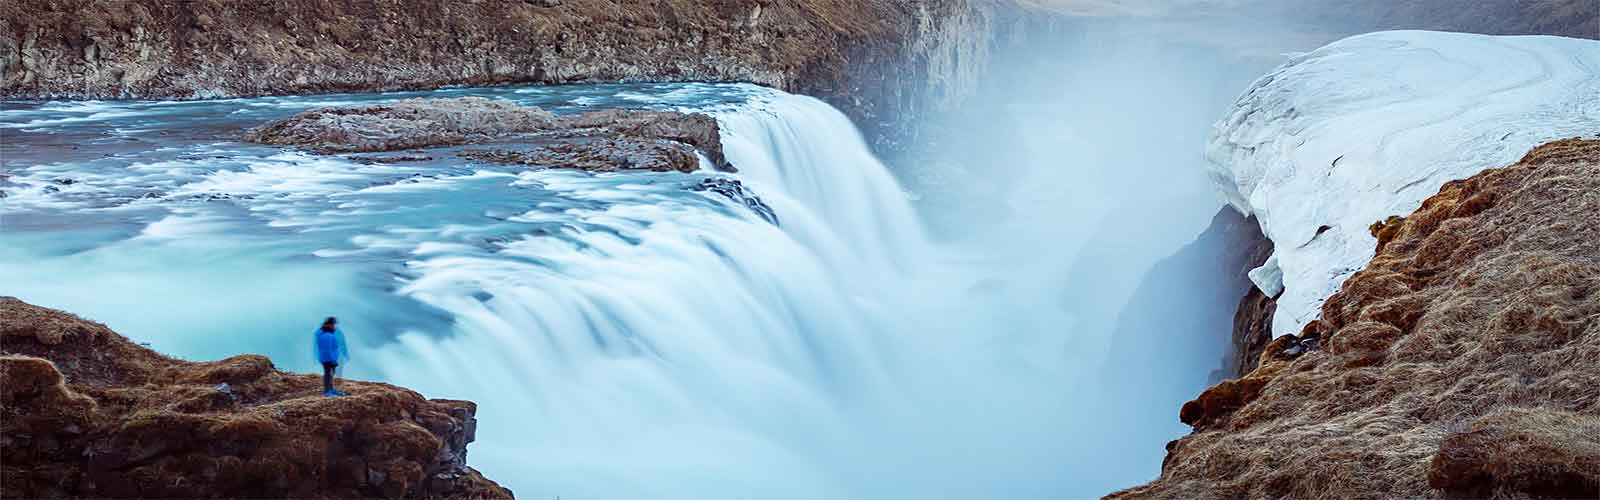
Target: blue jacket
[{"x": 330, "y": 346}]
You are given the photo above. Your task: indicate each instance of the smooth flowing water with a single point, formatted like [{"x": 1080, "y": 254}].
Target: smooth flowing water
[{"x": 624, "y": 335}]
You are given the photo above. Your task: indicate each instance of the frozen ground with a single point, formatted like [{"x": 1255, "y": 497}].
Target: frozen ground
[{"x": 1369, "y": 126}]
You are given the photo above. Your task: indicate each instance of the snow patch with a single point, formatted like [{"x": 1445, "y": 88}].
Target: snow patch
[{"x": 1369, "y": 126}]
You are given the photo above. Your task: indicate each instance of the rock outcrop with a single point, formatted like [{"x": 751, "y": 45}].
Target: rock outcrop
[
  {"x": 883, "y": 62},
  {"x": 407, "y": 124},
  {"x": 1460, "y": 363},
  {"x": 735, "y": 190},
  {"x": 603, "y": 141},
  {"x": 1252, "y": 331},
  {"x": 87, "y": 413},
  {"x": 1179, "y": 307}
]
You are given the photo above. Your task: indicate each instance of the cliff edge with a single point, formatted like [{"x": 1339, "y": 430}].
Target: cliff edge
[
  {"x": 883, "y": 62},
  {"x": 88, "y": 413},
  {"x": 1460, "y": 363}
]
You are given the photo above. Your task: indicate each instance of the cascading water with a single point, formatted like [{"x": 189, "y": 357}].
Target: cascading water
[{"x": 623, "y": 336}]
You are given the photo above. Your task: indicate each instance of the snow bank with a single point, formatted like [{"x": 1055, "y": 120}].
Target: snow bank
[{"x": 1369, "y": 126}]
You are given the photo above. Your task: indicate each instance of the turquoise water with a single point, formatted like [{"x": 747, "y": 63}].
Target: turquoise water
[{"x": 624, "y": 336}]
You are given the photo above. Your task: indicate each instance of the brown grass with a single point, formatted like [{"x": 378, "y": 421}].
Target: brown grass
[
  {"x": 88, "y": 413},
  {"x": 1464, "y": 361}
]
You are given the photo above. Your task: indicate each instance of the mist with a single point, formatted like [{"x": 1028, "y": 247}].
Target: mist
[
  {"x": 1079, "y": 170},
  {"x": 627, "y": 337}
]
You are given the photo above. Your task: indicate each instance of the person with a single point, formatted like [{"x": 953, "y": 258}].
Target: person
[{"x": 331, "y": 352}]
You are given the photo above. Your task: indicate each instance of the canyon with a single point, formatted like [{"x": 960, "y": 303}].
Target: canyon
[
  {"x": 1458, "y": 362},
  {"x": 508, "y": 195}
]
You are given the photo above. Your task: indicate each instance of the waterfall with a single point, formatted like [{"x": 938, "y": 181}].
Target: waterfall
[
  {"x": 624, "y": 336},
  {"x": 679, "y": 350}
]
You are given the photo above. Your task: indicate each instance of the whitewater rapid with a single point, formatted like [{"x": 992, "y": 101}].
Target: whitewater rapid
[{"x": 623, "y": 335}]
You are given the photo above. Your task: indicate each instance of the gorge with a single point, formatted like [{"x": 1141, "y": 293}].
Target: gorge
[{"x": 861, "y": 249}]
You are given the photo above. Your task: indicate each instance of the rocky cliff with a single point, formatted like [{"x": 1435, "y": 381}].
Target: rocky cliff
[
  {"x": 881, "y": 61},
  {"x": 1460, "y": 363},
  {"x": 87, "y": 413}
]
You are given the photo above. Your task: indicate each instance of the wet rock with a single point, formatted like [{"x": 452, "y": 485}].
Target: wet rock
[
  {"x": 411, "y": 123},
  {"x": 598, "y": 155},
  {"x": 1252, "y": 330},
  {"x": 387, "y": 159},
  {"x": 602, "y": 141},
  {"x": 736, "y": 191},
  {"x": 698, "y": 130}
]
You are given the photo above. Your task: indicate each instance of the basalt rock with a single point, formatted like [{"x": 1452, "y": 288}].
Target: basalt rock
[
  {"x": 603, "y": 141},
  {"x": 407, "y": 124},
  {"x": 88, "y": 413},
  {"x": 694, "y": 129},
  {"x": 1252, "y": 320},
  {"x": 883, "y": 62},
  {"x": 735, "y": 190},
  {"x": 1460, "y": 363},
  {"x": 597, "y": 155}
]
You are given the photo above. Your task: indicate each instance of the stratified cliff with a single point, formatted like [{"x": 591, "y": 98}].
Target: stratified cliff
[
  {"x": 883, "y": 62},
  {"x": 1463, "y": 361},
  {"x": 87, "y": 413}
]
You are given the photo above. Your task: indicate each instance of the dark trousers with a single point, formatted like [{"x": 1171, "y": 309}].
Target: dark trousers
[{"x": 327, "y": 376}]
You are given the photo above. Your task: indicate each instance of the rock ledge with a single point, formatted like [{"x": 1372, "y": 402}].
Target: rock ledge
[{"x": 90, "y": 414}]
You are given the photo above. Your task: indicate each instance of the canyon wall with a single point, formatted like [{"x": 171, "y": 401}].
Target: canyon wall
[
  {"x": 90, "y": 414},
  {"x": 1459, "y": 363},
  {"x": 883, "y": 62},
  {"x": 1447, "y": 353}
]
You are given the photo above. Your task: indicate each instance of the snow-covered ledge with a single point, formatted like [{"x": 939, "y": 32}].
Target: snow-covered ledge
[{"x": 1369, "y": 126}]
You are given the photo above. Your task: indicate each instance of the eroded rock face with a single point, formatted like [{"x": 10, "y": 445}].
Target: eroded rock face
[
  {"x": 90, "y": 414},
  {"x": 597, "y": 155},
  {"x": 407, "y": 124},
  {"x": 1461, "y": 362},
  {"x": 883, "y": 62},
  {"x": 1252, "y": 330},
  {"x": 1252, "y": 320},
  {"x": 694, "y": 129},
  {"x": 601, "y": 141}
]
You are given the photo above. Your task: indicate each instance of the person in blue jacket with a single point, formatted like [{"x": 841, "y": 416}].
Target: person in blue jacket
[{"x": 331, "y": 352}]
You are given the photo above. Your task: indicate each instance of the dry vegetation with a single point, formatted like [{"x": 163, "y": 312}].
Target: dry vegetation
[
  {"x": 87, "y": 413},
  {"x": 1464, "y": 361}
]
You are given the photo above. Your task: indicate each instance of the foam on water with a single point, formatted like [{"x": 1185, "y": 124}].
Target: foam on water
[{"x": 624, "y": 336}]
